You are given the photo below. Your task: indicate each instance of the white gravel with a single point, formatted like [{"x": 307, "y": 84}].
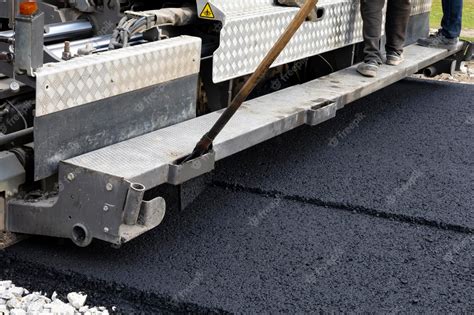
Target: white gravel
[{"x": 19, "y": 301}]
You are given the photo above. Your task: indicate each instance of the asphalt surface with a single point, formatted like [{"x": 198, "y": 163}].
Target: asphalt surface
[
  {"x": 405, "y": 151},
  {"x": 372, "y": 211}
]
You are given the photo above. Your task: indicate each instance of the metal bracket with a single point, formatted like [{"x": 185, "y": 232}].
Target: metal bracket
[
  {"x": 321, "y": 112},
  {"x": 151, "y": 215},
  {"x": 180, "y": 173}
]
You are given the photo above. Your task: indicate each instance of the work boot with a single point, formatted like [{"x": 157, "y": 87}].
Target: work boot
[
  {"x": 394, "y": 58},
  {"x": 438, "y": 40},
  {"x": 368, "y": 68}
]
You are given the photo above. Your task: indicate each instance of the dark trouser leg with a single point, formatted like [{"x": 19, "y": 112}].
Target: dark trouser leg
[
  {"x": 371, "y": 11},
  {"x": 398, "y": 14},
  {"x": 451, "y": 23}
]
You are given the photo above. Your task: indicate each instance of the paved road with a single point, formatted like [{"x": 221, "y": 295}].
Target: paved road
[{"x": 372, "y": 211}]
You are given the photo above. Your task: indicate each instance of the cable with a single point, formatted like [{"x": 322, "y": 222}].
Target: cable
[
  {"x": 19, "y": 113},
  {"x": 138, "y": 22},
  {"x": 327, "y": 62}
]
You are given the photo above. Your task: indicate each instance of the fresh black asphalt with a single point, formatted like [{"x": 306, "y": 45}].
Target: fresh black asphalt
[
  {"x": 406, "y": 151},
  {"x": 369, "y": 212}
]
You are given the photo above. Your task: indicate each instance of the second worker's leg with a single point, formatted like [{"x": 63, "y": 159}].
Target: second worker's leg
[
  {"x": 371, "y": 11},
  {"x": 451, "y": 23},
  {"x": 372, "y": 16},
  {"x": 447, "y": 37},
  {"x": 398, "y": 14}
]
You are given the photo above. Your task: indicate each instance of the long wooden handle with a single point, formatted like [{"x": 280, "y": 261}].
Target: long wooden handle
[{"x": 205, "y": 143}]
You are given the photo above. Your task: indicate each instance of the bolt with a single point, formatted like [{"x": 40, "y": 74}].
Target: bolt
[
  {"x": 109, "y": 187},
  {"x": 71, "y": 177},
  {"x": 67, "y": 51},
  {"x": 106, "y": 208},
  {"x": 106, "y": 230},
  {"x": 14, "y": 86}
]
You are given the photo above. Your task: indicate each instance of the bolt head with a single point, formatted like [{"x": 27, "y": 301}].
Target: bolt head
[
  {"x": 109, "y": 187},
  {"x": 14, "y": 86},
  {"x": 71, "y": 177},
  {"x": 106, "y": 208},
  {"x": 106, "y": 230}
]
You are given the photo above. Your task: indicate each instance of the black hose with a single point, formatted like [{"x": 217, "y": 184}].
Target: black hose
[{"x": 7, "y": 139}]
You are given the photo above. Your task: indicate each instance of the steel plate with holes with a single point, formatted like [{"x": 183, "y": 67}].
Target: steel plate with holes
[{"x": 251, "y": 27}]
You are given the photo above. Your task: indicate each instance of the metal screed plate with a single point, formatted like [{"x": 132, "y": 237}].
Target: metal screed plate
[
  {"x": 251, "y": 27},
  {"x": 147, "y": 159}
]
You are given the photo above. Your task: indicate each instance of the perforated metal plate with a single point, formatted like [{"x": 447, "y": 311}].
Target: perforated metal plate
[
  {"x": 251, "y": 27},
  {"x": 88, "y": 79}
]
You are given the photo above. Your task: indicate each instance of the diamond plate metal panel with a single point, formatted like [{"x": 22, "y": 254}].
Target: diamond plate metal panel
[
  {"x": 251, "y": 27},
  {"x": 68, "y": 84}
]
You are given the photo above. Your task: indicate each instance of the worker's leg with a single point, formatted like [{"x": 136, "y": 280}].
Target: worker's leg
[
  {"x": 398, "y": 14},
  {"x": 372, "y": 16},
  {"x": 447, "y": 37},
  {"x": 451, "y": 23},
  {"x": 371, "y": 11}
]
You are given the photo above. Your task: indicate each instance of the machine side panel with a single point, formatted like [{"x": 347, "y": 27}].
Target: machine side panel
[
  {"x": 82, "y": 129},
  {"x": 251, "y": 27},
  {"x": 98, "y": 100},
  {"x": 96, "y": 77}
]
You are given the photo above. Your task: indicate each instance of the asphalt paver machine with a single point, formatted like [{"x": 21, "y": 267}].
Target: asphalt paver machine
[{"x": 100, "y": 100}]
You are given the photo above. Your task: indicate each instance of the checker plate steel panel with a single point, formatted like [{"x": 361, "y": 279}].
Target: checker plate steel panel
[
  {"x": 88, "y": 79},
  {"x": 251, "y": 27}
]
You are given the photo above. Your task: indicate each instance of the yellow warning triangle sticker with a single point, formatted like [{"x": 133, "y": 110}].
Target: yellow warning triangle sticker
[{"x": 207, "y": 12}]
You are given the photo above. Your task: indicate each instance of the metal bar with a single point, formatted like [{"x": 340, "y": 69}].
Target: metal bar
[
  {"x": 444, "y": 66},
  {"x": 59, "y": 31},
  {"x": 205, "y": 143},
  {"x": 99, "y": 44},
  {"x": 6, "y": 139},
  {"x": 133, "y": 203},
  {"x": 67, "y": 30}
]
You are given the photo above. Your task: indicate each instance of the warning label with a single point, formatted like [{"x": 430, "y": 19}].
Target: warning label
[{"x": 207, "y": 12}]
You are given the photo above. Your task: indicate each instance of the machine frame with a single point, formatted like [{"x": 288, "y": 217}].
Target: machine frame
[{"x": 105, "y": 127}]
